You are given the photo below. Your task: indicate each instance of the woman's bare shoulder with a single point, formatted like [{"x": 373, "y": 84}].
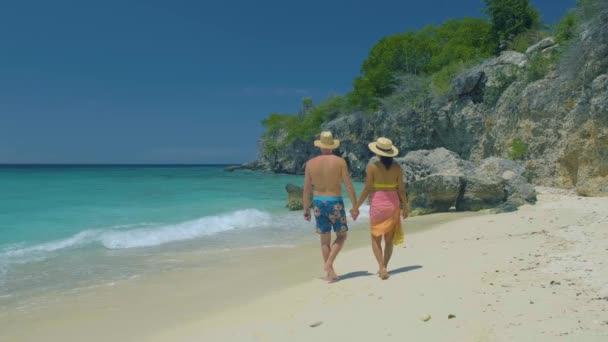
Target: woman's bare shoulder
[{"x": 373, "y": 165}]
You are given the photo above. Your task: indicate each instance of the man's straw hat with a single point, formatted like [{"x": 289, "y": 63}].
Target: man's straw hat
[
  {"x": 327, "y": 141},
  {"x": 383, "y": 147}
]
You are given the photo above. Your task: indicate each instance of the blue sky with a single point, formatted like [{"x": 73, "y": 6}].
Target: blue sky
[{"x": 183, "y": 81}]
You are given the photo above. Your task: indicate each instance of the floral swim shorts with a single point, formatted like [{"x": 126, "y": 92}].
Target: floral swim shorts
[{"x": 329, "y": 213}]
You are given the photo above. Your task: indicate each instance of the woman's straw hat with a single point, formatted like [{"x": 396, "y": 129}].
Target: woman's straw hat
[
  {"x": 383, "y": 147},
  {"x": 327, "y": 141}
]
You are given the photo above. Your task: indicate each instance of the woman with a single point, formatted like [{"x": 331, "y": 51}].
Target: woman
[{"x": 384, "y": 185}]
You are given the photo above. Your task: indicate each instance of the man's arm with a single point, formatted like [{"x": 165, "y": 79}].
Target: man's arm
[
  {"x": 349, "y": 184},
  {"x": 402, "y": 195},
  {"x": 307, "y": 191}
]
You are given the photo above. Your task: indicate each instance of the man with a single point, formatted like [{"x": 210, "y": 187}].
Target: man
[{"x": 324, "y": 175}]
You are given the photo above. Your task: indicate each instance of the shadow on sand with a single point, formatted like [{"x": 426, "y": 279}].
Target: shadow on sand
[
  {"x": 355, "y": 274},
  {"x": 404, "y": 269},
  {"x": 358, "y": 274}
]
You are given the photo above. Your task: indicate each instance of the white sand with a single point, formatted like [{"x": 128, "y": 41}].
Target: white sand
[{"x": 494, "y": 273}]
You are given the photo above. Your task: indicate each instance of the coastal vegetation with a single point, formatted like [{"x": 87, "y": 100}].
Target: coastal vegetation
[{"x": 432, "y": 57}]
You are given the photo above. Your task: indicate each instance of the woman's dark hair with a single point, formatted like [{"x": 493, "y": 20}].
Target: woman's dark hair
[{"x": 387, "y": 161}]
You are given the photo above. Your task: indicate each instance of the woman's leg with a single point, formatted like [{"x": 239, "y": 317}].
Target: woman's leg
[
  {"x": 377, "y": 247},
  {"x": 388, "y": 247}
]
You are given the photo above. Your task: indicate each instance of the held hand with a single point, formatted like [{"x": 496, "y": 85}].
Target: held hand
[
  {"x": 405, "y": 213},
  {"x": 354, "y": 213},
  {"x": 307, "y": 215}
]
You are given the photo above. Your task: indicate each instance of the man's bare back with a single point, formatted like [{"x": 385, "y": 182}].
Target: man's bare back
[{"x": 325, "y": 173}]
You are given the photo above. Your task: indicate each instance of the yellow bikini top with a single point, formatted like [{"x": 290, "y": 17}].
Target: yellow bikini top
[{"x": 385, "y": 186}]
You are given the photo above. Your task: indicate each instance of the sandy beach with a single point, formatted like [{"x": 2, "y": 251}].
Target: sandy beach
[{"x": 537, "y": 274}]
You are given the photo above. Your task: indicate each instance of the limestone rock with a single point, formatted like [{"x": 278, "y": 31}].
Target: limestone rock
[
  {"x": 482, "y": 191},
  {"x": 518, "y": 190},
  {"x": 541, "y": 45},
  {"x": 438, "y": 179},
  {"x": 245, "y": 166},
  {"x": 513, "y": 58},
  {"x": 295, "y": 195},
  {"x": 467, "y": 82},
  {"x": 434, "y": 179},
  {"x": 433, "y": 194}
]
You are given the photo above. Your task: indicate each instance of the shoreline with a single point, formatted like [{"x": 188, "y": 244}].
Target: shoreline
[{"x": 204, "y": 285}]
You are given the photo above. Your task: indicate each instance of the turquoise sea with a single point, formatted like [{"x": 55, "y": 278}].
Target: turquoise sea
[{"x": 65, "y": 227}]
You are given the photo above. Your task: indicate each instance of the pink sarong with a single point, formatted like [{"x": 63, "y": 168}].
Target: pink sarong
[{"x": 385, "y": 216}]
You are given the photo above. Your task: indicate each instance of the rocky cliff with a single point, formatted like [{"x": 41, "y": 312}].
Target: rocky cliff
[{"x": 546, "y": 108}]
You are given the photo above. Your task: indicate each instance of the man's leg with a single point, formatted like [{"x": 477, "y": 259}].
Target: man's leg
[
  {"x": 335, "y": 249},
  {"x": 325, "y": 246}
]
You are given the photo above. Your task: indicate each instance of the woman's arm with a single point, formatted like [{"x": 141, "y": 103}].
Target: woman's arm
[{"x": 369, "y": 186}]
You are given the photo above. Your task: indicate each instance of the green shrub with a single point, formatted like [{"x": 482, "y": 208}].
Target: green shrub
[
  {"x": 275, "y": 123},
  {"x": 565, "y": 30},
  {"x": 303, "y": 125},
  {"x": 518, "y": 149},
  {"x": 442, "y": 80},
  {"x": 540, "y": 65},
  {"x": 411, "y": 91}
]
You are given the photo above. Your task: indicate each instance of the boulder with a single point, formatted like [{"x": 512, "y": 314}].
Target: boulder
[
  {"x": 482, "y": 191},
  {"x": 295, "y": 195},
  {"x": 422, "y": 163},
  {"x": 518, "y": 189},
  {"x": 540, "y": 46},
  {"x": 437, "y": 180},
  {"x": 433, "y": 194},
  {"x": 434, "y": 179},
  {"x": 467, "y": 81},
  {"x": 597, "y": 187},
  {"x": 512, "y": 58}
]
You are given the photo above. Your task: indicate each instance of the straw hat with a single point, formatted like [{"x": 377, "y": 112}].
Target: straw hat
[
  {"x": 383, "y": 147},
  {"x": 327, "y": 141}
]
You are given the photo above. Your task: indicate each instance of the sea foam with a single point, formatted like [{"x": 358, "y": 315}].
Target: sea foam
[{"x": 149, "y": 236}]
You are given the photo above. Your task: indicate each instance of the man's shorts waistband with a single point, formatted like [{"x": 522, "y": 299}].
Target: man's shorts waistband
[{"x": 327, "y": 198}]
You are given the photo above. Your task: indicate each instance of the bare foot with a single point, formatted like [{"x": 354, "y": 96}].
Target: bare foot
[
  {"x": 384, "y": 274},
  {"x": 330, "y": 279},
  {"x": 331, "y": 274}
]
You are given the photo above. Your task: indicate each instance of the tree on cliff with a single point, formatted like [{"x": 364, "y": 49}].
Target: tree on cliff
[
  {"x": 510, "y": 18},
  {"x": 433, "y": 49}
]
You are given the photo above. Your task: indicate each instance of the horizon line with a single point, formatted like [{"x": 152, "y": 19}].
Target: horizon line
[{"x": 118, "y": 164}]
